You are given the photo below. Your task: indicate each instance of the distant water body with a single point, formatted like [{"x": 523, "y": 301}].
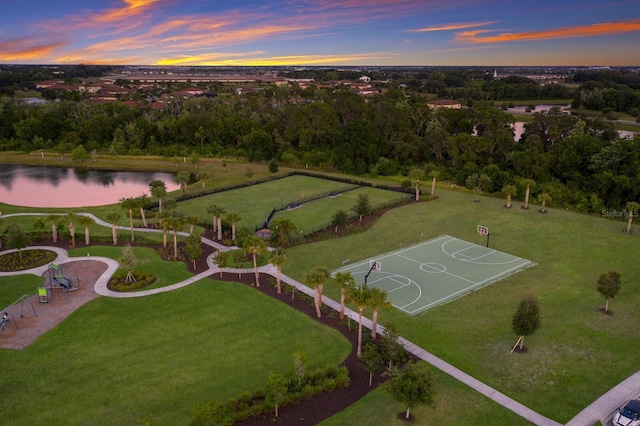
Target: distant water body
[{"x": 34, "y": 186}]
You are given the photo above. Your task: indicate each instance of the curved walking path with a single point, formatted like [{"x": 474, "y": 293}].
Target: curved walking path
[{"x": 601, "y": 409}]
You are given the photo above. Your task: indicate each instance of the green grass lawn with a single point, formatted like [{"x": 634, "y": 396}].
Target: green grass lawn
[
  {"x": 575, "y": 356},
  {"x": 114, "y": 361},
  {"x": 318, "y": 213},
  {"x": 254, "y": 203}
]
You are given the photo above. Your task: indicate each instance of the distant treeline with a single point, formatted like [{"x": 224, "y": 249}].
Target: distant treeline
[{"x": 578, "y": 162}]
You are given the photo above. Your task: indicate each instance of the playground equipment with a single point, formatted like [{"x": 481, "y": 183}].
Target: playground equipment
[
  {"x": 25, "y": 298},
  {"x": 57, "y": 281}
]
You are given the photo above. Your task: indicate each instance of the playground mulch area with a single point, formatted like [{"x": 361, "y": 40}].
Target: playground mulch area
[{"x": 55, "y": 310}]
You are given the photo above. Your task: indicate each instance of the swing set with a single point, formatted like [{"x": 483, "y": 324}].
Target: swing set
[{"x": 25, "y": 298}]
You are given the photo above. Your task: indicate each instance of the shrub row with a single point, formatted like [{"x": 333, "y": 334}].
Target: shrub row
[
  {"x": 254, "y": 404},
  {"x": 25, "y": 259}
]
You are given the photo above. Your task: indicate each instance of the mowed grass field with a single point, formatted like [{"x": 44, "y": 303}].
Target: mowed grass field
[
  {"x": 254, "y": 203},
  {"x": 118, "y": 360},
  {"x": 575, "y": 356},
  {"x": 319, "y": 213}
]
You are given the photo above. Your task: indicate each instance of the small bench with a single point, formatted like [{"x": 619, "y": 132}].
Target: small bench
[{"x": 344, "y": 262}]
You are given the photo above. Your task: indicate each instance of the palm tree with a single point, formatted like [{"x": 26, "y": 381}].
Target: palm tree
[
  {"x": 254, "y": 245},
  {"x": 141, "y": 201},
  {"x": 377, "y": 301},
  {"x": 509, "y": 191},
  {"x": 359, "y": 295},
  {"x": 72, "y": 219},
  {"x": 232, "y": 218},
  {"x": 528, "y": 184},
  {"x": 54, "y": 219},
  {"x": 416, "y": 175},
  {"x": 192, "y": 221},
  {"x": 129, "y": 204},
  {"x": 113, "y": 217},
  {"x": 216, "y": 212},
  {"x": 158, "y": 189},
  {"x": 283, "y": 228},
  {"x": 344, "y": 280},
  {"x": 175, "y": 223},
  {"x": 632, "y": 209},
  {"x": 278, "y": 259},
  {"x": 316, "y": 278},
  {"x": 434, "y": 174},
  {"x": 165, "y": 226},
  {"x": 86, "y": 221},
  {"x": 182, "y": 179},
  {"x": 544, "y": 198}
]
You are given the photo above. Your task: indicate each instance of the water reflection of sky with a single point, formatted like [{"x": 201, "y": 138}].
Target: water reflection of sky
[{"x": 62, "y": 187}]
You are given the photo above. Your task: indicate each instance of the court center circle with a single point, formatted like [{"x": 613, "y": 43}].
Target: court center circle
[{"x": 433, "y": 268}]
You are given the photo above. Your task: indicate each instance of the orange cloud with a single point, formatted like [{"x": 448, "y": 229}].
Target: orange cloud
[
  {"x": 600, "y": 29},
  {"x": 25, "y": 49},
  {"x": 450, "y": 27},
  {"x": 246, "y": 59}
]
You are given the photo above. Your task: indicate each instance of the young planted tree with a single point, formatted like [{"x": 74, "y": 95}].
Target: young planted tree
[
  {"x": 202, "y": 177},
  {"x": 278, "y": 259},
  {"x": 411, "y": 386},
  {"x": 371, "y": 360},
  {"x": 344, "y": 280},
  {"x": 362, "y": 206},
  {"x": 113, "y": 218},
  {"x": 609, "y": 285},
  {"x": 193, "y": 248},
  {"x": 526, "y": 320},
  {"x": 316, "y": 278},
  {"x": 239, "y": 257},
  {"x": 479, "y": 182},
  {"x": 15, "y": 238},
  {"x": 509, "y": 191},
  {"x": 192, "y": 220},
  {"x": 222, "y": 260},
  {"x": 275, "y": 390},
  {"x": 339, "y": 218},
  {"x": 299, "y": 365},
  {"x": 392, "y": 350},
  {"x": 128, "y": 261}
]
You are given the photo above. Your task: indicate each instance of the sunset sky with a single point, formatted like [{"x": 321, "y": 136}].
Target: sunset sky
[{"x": 320, "y": 32}]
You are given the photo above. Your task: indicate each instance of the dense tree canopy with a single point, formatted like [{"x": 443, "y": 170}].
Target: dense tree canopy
[{"x": 579, "y": 162}]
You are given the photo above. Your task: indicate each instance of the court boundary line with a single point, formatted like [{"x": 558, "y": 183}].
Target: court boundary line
[{"x": 475, "y": 285}]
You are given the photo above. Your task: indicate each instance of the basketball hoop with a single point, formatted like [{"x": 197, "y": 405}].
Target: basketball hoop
[{"x": 483, "y": 230}]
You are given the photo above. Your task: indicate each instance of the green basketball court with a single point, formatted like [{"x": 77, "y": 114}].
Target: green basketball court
[{"x": 434, "y": 272}]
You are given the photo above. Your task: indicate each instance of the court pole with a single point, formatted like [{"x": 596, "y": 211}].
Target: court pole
[{"x": 488, "y": 234}]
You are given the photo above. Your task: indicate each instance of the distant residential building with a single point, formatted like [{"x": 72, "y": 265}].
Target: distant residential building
[{"x": 444, "y": 103}]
